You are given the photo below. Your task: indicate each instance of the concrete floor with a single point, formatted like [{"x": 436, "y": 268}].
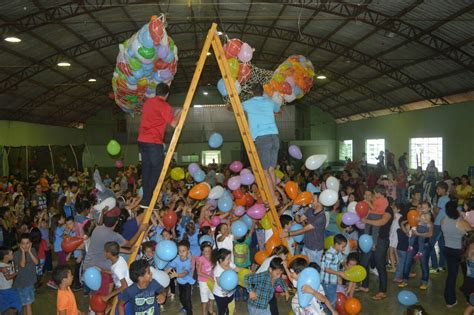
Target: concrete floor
[{"x": 431, "y": 299}]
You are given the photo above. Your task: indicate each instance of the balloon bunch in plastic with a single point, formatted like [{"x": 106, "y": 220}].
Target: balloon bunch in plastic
[
  {"x": 147, "y": 58},
  {"x": 238, "y": 55},
  {"x": 291, "y": 80}
]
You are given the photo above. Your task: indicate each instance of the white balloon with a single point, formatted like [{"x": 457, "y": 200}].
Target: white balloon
[
  {"x": 351, "y": 207},
  {"x": 315, "y": 161},
  {"x": 216, "y": 192},
  {"x": 160, "y": 276},
  {"x": 328, "y": 197},
  {"x": 332, "y": 183}
]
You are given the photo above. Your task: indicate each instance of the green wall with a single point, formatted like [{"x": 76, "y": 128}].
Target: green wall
[{"x": 452, "y": 122}]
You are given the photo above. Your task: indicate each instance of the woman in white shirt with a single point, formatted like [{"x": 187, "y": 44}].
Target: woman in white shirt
[{"x": 223, "y": 298}]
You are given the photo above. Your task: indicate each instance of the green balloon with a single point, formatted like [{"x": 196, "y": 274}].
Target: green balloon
[
  {"x": 171, "y": 43},
  {"x": 131, "y": 98},
  {"x": 147, "y": 53},
  {"x": 125, "y": 44},
  {"x": 135, "y": 64},
  {"x": 113, "y": 147}
]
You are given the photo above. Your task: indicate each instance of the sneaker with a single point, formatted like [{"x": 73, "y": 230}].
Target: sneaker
[
  {"x": 182, "y": 311},
  {"x": 432, "y": 270},
  {"x": 412, "y": 275},
  {"x": 452, "y": 305},
  {"x": 374, "y": 271},
  {"x": 443, "y": 269},
  {"x": 162, "y": 308},
  {"x": 424, "y": 286},
  {"x": 402, "y": 284},
  {"x": 171, "y": 297},
  {"x": 397, "y": 280},
  {"x": 51, "y": 284}
]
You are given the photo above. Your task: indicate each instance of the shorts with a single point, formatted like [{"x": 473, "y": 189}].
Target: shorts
[
  {"x": 205, "y": 292},
  {"x": 393, "y": 240},
  {"x": 267, "y": 149},
  {"x": 27, "y": 295}
]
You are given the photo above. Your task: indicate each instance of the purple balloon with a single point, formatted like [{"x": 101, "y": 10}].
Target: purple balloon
[
  {"x": 193, "y": 168},
  {"x": 245, "y": 171},
  {"x": 212, "y": 203},
  {"x": 163, "y": 51},
  {"x": 295, "y": 152},
  {"x": 247, "y": 179},
  {"x": 350, "y": 218},
  {"x": 360, "y": 225},
  {"x": 165, "y": 74},
  {"x": 236, "y": 166},
  {"x": 234, "y": 183},
  {"x": 239, "y": 211},
  {"x": 257, "y": 211}
]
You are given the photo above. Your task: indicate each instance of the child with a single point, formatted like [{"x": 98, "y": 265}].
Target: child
[
  {"x": 392, "y": 250},
  {"x": 222, "y": 260},
  {"x": 204, "y": 272},
  {"x": 181, "y": 269},
  {"x": 8, "y": 296},
  {"x": 58, "y": 229},
  {"x": 242, "y": 258},
  {"x": 66, "y": 302},
  {"x": 377, "y": 207},
  {"x": 148, "y": 252},
  {"x": 261, "y": 287},
  {"x": 26, "y": 260},
  {"x": 330, "y": 266},
  {"x": 351, "y": 261},
  {"x": 468, "y": 284},
  {"x": 402, "y": 247},
  {"x": 350, "y": 233},
  {"x": 142, "y": 294},
  {"x": 286, "y": 222},
  {"x": 224, "y": 239},
  {"x": 422, "y": 227}
]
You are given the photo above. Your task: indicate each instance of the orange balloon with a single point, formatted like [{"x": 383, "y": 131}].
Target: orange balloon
[
  {"x": 268, "y": 89},
  {"x": 260, "y": 257},
  {"x": 291, "y": 189},
  {"x": 272, "y": 242},
  {"x": 353, "y": 244},
  {"x": 303, "y": 199},
  {"x": 199, "y": 192},
  {"x": 413, "y": 217},
  {"x": 352, "y": 306},
  {"x": 241, "y": 201},
  {"x": 296, "y": 257}
]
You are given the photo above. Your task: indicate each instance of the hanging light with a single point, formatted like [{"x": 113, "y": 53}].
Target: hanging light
[
  {"x": 12, "y": 39},
  {"x": 321, "y": 77},
  {"x": 92, "y": 80},
  {"x": 64, "y": 64}
]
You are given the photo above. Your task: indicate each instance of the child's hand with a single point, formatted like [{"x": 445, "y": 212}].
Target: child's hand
[
  {"x": 160, "y": 299},
  {"x": 173, "y": 274},
  {"x": 253, "y": 296}
]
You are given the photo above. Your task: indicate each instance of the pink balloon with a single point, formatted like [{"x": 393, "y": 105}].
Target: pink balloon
[
  {"x": 360, "y": 225},
  {"x": 215, "y": 221},
  {"x": 239, "y": 211},
  {"x": 246, "y": 53},
  {"x": 118, "y": 164},
  {"x": 234, "y": 183},
  {"x": 257, "y": 211},
  {"x": 236, "y": 166},
  {"x": 247, "y": 179},
  {"x": 279, "y": 289},
  {"x": 245, "y": 171}
]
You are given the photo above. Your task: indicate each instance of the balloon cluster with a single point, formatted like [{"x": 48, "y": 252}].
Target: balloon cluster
[
  {"x": 291, "y": 80},
  {"x": 146, "y": 59}
]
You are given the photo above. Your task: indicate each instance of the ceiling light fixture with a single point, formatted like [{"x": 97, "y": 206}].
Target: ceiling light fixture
[
  {"x": 12, "y": 39},
  {"x": 321, "y": 77},
  {"x": 205, "y": 93},
  {"x": 219, "y": 33},
  {"x": 92, "y": 80},
  {"x": 208, "y": 53},
  {"x": 64, "y": 64}
]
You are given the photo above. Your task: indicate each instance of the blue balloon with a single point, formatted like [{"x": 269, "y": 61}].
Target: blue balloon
[
  {"x": 138, "y": 74},
  {"x": 296, "y": 227},
  {"x": 312, "y": 189},
  {"x": 296, "y": 90},
  {"x": 92, "y": 278},
  {"x": 228, "y": 280},
  {"x": 199, "y": 176},
  {"x": 215, "y": 140},
  {"x": 160, "y": 264},
  {"x": 366, "y": 242},
  {"x": 221, "y": 87},
  {"x": 309, "y": 276},
  {"x": 206, "y": 238},
  {"x": 147, "y": 66},
  {"x": 225, "y": 203},
  {"x": 407, "y": 298},
  {"x": 167, "y": 250},
  {"x": 130, "y": 51},
  {"x": 248, "y": 220},
  {"x": 131, "y": 80},
  {"x": 169, "y": 58},
  {"x": 239, "y": 228},
  {"x": 144, "y": 37}
]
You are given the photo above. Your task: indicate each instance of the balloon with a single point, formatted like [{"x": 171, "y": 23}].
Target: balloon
[
  {"x": 215, "y": 140},
  {"x": 328, "y": 197},
  {"x": 239, "y": 211},
  {"x": 92, "y": 278},
  {"x": 260, "y": 257},
  {"x": 215, "y": 221},
  {"x": 309, "y": 276},
  {"x": 236, "y": 166},
  {"x": 248, "y": 220},
  {"x": 315, "y": 161},
  {"x": 118, "y": 164},
  {"x": 279, "y": 174},
  {"x": 265, "y": 222},
  {"x": 234, "y": 183},
  {"x": 241, "y": 201},
  {"x": 225, "y": 203},
  {"x": 257, "y": 211},
  {"x": 303, "y": 199},
  {"x": 352, "y": 306},
  {"x": 272, "y": 242},
  {"x": 351, "y": 207},
  {"x": 113, "y": 147},
  {"x": 239, "y": 229},
  {"x": 413, "y": 217},
  {"x": 311, "y": 188},
  {"x": 147, "y": 53},
  {"x": 247, "y": 179},
  {"x": 70, "y": 244},
  {"x": 193, "y": 168},
  {"x": 332, "y": 183},
  {"x": 177, "y": 173},
  {"x": 249, "y": 201},
  {"x": 216, "y": 192},
  {"x": 407, "y": 298},
  {"x": 362, "y": 209},
  {"x": 296, "y": 227},
  {"x": 350, "y": 218},
  {"x": 241, "y": 275},
  {"x": 291, "y": 189},
  {"x": 360, "y": 225},
  {"x": 246, "y": 53},
  {"x": 232, "y": 47},
  {"x": 290, "y": 260},
  {"x": 162, "y": 51},
  {"x": 244, "y": 73},
  {"x": 206, "y": 239},
  {"x": 199, "y": 191},
  {"x": 234, "y": 67},
  {"x": 328, "y": 241},
  {"x": 366, "y": 242},
  {"x": 97, "y": 304},
  {"x": 340, "y": 301},
  {"x": 144, "y": 37},
  {"x": 356, "y": 273},
  {"x": 295, "y": 152},
  {"x": 238, "y": 194},
  {"x": 169, "y": 219},
  {"x": 228, "y": 280},
  {"x": 166, "y": 250},
  {"x": 210, "y": 284},
  {"x": 353, "y": 244},
  {"x": 339, "y": 220},
  {"x": 245, "y": 171},
  {"x": 160, "y": 276}
]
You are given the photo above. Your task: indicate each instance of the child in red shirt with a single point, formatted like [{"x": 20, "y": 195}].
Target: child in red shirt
[{"x": 377, "y": 207}]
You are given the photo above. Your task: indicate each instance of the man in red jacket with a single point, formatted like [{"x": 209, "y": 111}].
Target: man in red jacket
[{"x": 156, "y": 115}]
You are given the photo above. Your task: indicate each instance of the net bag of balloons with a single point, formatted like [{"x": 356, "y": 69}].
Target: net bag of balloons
[
  {"x": 291, "y": 80},
  {"x": 147, "y": 58}
]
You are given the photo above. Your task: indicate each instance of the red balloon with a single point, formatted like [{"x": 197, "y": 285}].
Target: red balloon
[
  {"x": 238, "y": 194},
  {"x": 156, "y": 29},
  {"x": 244, "y": 73},
  {"x": 169, "y": 219},
  {"x": 232, "y": 48},
  {"x": 70, "y": 244},
  {"x": 97, "y": 304},
  {"x": 362, "y": 209},
  {"x": 160, "y": 65},
  {"x": 241, "y": 201},
  {"x": 285, "y": 88},
  {"x": 340, "y": 302},
  {"x": 249, "y": 201}
]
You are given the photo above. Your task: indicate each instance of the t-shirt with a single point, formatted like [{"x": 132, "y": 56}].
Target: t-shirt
[
  {"x": 442, "y": 201},
  {"x": 260, "y": 111},
  {"x": 242, "y": 253},
  {"x": 95, "y": 254},
  {"x": 380, "y": 204},
  {"x": 206, "y": 268},
  {"x": 402, "y": 240},
  {"x": 463, "y": 193},
  {"x": 384, "y": 231},
  {"x": 130, "y": 228},
  {"x": 314, "y": 239},
  {"x": 26, "y": 276},
  {"x": 58, "y": 238},
  {"x": 66, "y": 302},
  {"x": 143, "y": 301},
  {"x": 227, "y": 243},
  {"x": 4, "y": 283},
  {"x": 218, "y": 270},
  {"x": 156, "y": 114},
  {"x": 41, "y": 201},
  {"x": 120, "y": 271},
  {"x": 181, "y": 266}
]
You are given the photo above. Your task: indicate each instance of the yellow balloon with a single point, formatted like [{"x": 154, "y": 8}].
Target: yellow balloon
[
  {"x": 177, "y": 173},
  {"x": 339, "y": 220},
  {"x": 231, "y": 307},
  {"x": 234, "y": 67},
  {"x": 279, "y": 174},
  {"x": 328, "y": 241},
  {"x": 278, "y": 77},
  {"x": 241, "y": 275},
  {"x": 356, "y": 274},
  {"x": 291, "y": 312},
  {"x": 210, "y": 284},
  {"x": 265, "y": 222}
]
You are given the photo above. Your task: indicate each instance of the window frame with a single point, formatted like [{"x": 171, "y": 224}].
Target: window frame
[{"x": 374, "y": 161}]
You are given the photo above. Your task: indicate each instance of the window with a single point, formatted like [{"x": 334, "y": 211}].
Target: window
[
  {"x": 373, "y": 148},
  {"x": 423, "y": 150},
  {"x": 190, "y": 158},
  {"x": 209, "y": 156},
  {"x": 345, "y": 150}
]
